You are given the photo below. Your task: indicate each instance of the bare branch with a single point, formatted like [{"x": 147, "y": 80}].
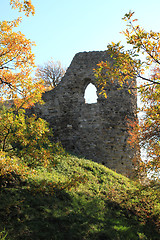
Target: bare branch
[{"x": 52, "y": 73}]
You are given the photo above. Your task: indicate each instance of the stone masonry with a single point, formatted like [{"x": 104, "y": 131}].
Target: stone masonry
[{"x": 95, "y": 131}]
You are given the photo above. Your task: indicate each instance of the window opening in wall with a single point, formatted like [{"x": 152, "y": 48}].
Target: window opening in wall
[{"x": 90, "y": 94}]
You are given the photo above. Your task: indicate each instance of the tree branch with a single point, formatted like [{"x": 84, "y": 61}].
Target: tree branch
[
  {"x": 149, "y": 80},
  {"x": 10, "y": 85}
]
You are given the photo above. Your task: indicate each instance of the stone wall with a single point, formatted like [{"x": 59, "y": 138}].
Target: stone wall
[{"x": 96, "y": 131}]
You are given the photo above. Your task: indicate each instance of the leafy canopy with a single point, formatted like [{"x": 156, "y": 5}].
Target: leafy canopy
[
  {"x": 16, "y": 66},
  {"x": 129, "y": 66}
]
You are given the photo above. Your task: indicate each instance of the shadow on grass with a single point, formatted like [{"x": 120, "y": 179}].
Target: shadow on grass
[{"x": 34, "y": 216}]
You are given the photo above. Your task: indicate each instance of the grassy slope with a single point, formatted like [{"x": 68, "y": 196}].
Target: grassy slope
[{"x": 77, "y": 199}]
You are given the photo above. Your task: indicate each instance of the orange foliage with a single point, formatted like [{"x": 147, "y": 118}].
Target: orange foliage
[
  {"x": 126, "y": 67},
  {"x": 16, "y": 66},
  {"x": 13, "y": 170},
  {"x": 24, "y": 5}
]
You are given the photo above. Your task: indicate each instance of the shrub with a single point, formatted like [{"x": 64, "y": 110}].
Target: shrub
[{"x": 25, "y": 137}]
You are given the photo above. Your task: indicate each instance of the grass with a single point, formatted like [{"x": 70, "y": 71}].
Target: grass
[{"x": 78, "y": 199}]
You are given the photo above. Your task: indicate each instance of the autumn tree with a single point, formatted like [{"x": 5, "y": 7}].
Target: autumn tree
[
  {"x": 22, "y": 136},
  {"x": 51, "y": 73},
  {"x": 17, "y": 61},
  {"x": 128, "y": 66},
  {"x": 16, "y": 66}
]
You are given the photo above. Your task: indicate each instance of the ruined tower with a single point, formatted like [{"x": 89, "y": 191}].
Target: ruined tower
[{"x": 97, "y": 131}]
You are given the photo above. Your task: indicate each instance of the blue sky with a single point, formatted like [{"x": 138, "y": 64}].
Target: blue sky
[{"x": 61, "y": 28}]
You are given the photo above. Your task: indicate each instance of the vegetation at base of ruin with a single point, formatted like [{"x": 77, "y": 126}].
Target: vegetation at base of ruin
[
  {"x": 25, "y": 137},
  {"x": 75, "y": 199},
  {"x": 127, "y": 67},
  {"x": 51, "y": 73}
]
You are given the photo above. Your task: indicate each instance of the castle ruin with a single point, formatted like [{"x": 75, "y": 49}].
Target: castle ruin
[{"x": 96, "y": 131}]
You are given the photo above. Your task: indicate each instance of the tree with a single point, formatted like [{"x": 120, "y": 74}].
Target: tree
[
  {"x": 16, "y": 66},
  {"x": 130, "y": 65},
  {"x": 25, "y": 137},
  {"x": 17, "y": 62},
  {"x": 51, "y": 73}
]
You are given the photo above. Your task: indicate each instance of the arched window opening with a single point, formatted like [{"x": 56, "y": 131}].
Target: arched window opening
[{"x": 90, "y": 94}]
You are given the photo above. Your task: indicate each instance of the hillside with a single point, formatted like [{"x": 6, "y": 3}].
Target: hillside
[{"x": 77, "y": 199}]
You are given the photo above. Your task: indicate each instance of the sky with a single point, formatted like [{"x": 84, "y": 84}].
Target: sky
[{"x": 62, "y": 28}]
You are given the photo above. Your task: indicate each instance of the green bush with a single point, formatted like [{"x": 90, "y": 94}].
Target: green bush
[{"x": 25, "y": 137}]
